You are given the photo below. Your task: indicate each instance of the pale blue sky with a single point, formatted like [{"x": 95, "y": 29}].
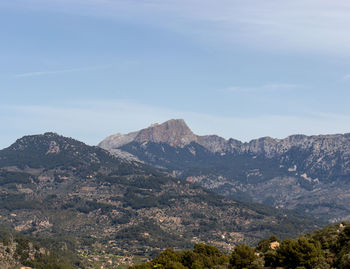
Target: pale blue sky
[{"x": 241, "y": 69}]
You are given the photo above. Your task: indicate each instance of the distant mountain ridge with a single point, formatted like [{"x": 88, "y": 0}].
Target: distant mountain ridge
[
  {"x": 174, "y": 132},
  {"x": 279, "y": 172},
  {"x": 54, "y": 186}
]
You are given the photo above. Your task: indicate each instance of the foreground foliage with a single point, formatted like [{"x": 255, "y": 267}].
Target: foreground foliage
[
  {"x": 202, "y": 256},
  {"x": 323, "y": 249}
]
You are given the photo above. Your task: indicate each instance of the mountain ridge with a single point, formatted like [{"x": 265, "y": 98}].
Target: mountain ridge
[
  {"x": 214, "y": 143},
  {"x": 55, "y": 186},
  {"x": 174, "y": 132},
  {"x": 307, "y": 173}
]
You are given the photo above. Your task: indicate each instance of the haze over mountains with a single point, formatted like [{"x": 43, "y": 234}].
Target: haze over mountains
[{"x": 307, "y": 173}]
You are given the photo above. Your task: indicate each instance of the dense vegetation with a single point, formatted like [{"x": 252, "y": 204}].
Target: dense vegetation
[
  {"x": 16, "y": 249},
  {"x": 326, "y": 248}
]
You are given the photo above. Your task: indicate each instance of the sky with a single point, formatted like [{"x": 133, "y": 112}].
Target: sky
[{"x": 239, "y": 69}]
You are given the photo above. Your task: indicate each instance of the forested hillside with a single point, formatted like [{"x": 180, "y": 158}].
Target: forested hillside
[
  {"x": 57, "y": 187},
  {"x": 322, "y": 249}
]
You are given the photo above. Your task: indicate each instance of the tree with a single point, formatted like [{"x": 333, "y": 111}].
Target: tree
[
  {"x": 270, "y": 258},
  {"x": 345, "y": 261},
  {"x": 243, "y": 257},
  {"x": 299, "y": 253},
  {"x": 167, "y": 256}
]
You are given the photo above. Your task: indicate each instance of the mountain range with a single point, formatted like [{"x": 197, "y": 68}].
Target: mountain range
[
  {"x": 305, "y": 173},
  {"x": 57, "y": 187}
]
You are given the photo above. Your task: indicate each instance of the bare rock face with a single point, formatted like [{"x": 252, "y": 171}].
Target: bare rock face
[
  {"x": 173, "y": 132},
  {"x": 316, "y": 144},
  {"x": 117, "y": 140},
  {"x": 176, "y": 133},
  {"x": 213, "y": 143},
  {"x": 320, "y": 155},
  {"x": 124, "y": 155},
  {"x": 295, "y": 172}
]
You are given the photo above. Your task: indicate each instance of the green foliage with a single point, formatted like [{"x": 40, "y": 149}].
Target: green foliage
[
  {"x": 202, "y": 256},
  {"x": 300, "y": 252},
  {"x": 270, "y": 258},
  {"x": 17, "y": 201},
  {"x": 15, "y": 178},
  {"x": 323, "y": 249},
  {"x": 210, "y": 256},
  {"x": 345, "y": 262},
  {"x": 264, "y": 245},
  {"x": 30, "y": 252},
  {"x": 149, "y": 233},
  {"x": 242, "y": 257}
]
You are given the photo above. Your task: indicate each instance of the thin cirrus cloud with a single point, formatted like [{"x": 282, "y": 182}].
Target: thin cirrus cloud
[
  {"x": 62, "y": 71},
  {"x": 317, "y": 26},
  {"x": 273, "y": 87}
]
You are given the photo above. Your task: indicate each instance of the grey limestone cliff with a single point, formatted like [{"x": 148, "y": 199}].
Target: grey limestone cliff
[{"x": 309, "y": 173}]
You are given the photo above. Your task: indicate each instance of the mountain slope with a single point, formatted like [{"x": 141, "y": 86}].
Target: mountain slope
[
  {"x": 57, "y": 187},
  {"x": 18, "y": 251},
  {"x": 307, "y": 173}
]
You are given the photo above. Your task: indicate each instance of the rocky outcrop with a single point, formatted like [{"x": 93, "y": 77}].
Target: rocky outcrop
[
  {"x": 318, "y": 144},
  {"x": 299, "y": 171},
  {"x": 117, "y": 140},
  {"x": 321, "y": 156},
  {"x": 174, "y": 132}
]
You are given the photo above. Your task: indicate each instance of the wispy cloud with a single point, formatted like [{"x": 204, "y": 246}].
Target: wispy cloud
[
  {"x": 62, "y": 71},
  {"x": 347, "y": 76},
  {"x": 298, "y": 25},
  {"x": 264, "y": 88}
]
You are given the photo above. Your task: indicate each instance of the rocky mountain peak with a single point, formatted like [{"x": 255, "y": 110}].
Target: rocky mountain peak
[
  {"x": 35, "y": 141},
  {"x": 286, "y": 172},
  {"x": 51, "y": 150},
  {"x": 175, "y": 132}
]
